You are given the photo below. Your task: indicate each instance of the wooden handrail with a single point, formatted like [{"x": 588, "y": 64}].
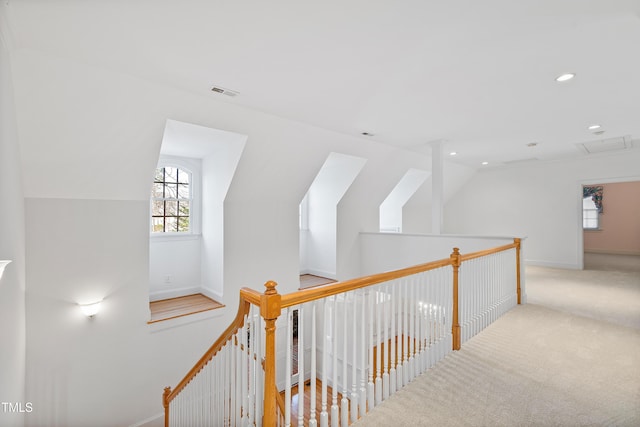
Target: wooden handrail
[
  {"x": 323, "y": 291},
  {"x": 486, "y": 252},
  {"x": 247, "y": 297},
  {"x": 280, "y": 402}
]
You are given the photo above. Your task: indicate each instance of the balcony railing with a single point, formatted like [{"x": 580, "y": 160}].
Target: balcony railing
[{"x": 356, "y": 342}]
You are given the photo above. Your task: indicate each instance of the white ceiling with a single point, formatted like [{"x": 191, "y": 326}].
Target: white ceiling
[{"x": 478, "y": 75}]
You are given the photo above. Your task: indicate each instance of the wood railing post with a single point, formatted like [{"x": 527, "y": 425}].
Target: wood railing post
[
  {"x": 165, "y": 403},
  {"x": 270, "y": 307},
  {"x": 455, "y": 328},
  {"x": 517, "y": 241}
]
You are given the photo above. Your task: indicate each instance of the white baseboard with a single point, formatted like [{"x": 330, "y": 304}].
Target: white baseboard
[
  {"x": 550, "y": 264},
  {"x": 611, "y": 252},
  {"x": 327, "y": 274},
  {"x": 174, "y": 293},
  {"x": 211, "y": 294},
  {"x": 149, "y": 420},
  {"x": 180, "y": 292}
]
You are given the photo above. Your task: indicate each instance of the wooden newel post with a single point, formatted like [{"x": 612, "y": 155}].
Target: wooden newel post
[
  {"x": 165, "y": 403},
  {"x": 455, "y": 328},
  {"x": 270, "y": 307},
  {"x": 517, "y": 242}
]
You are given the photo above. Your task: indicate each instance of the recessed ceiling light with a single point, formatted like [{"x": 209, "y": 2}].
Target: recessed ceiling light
[
  {"x": 565, "y": 77},
  {"x": 453, "y": 153},
  {"x": 485, "y": 163},
  {"x": 594, "y": 127}
]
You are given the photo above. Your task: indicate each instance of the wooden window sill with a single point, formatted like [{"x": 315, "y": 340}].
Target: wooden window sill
[{"x": 181, "y": 306}]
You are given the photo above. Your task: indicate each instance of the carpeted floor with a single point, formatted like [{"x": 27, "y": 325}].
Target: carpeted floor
[{"x": 570, "y": 357}]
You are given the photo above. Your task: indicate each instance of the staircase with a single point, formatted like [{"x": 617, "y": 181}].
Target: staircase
[{"x": 358, "y": 342}]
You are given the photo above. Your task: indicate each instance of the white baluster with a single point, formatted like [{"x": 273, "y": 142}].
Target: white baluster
[
  {"x": 385, "y": 355},
  {"x": 335, "y": 420},
  {"x": 412, "y": 327},
  {"x": 363, "y": 355},
  {"x": 344, "y": 404},
  {"x": 400, "y": 336},
  {"x": 371, "y": 397},
  {"x": 301, "y": 365},
  {"x": 405, "y": 328},
  {"x": 354, "y": 358},
  {"x": 394, "y": 337},
  {"x": 245, "y": 368},
  {"x": 324, "y": 415},
  {"x": 378, "y": 382},
  {"x": 287, "y": 368},
  {"x": 252, "y": 369},
  {"x": 420, "y": 321},
  {"x": 312, "y": 396}
]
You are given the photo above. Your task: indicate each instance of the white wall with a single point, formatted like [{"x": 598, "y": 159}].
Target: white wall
[
  {"x": 12, "y": 283},
  {"x": 393, "y": 251},
  {"x": 542, "y": 201},
  {"x": 174, "y": 266},
  {"x": 391, "y": 207},
  {"x": 80, "y": 124},
  {"x": 109, "y": 370},
  {"x": 416, "y": 213}
]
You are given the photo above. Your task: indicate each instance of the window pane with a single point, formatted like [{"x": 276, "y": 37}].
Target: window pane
[
  {"x": 157, "y": 208},
  {"x": 183, "y": 209},
  {"x": 157, "y": 225},
  {"x": 170, "y": 174},
  {"x": 183, "y": 177},
  {"x": 183, "y": 223},
  {"x": 171, "y": 224},
  {"x": 183, "y": 191},
  {"x": 171, "y": 191},
  {"x": 171, "y": 208},
  {"x": 159, "y": 177},
  {"x": 157, "y": 191}
]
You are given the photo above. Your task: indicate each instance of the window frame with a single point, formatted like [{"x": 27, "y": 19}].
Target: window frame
[
  {"x": 584, "y": 217},
  {"x": 194, "y": 168}
]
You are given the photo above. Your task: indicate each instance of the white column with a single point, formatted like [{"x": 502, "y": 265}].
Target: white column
[{"x": 437, "y": 179}]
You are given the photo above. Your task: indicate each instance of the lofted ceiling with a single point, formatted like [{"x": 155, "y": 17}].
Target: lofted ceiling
[{"x": 479, "y": 76}]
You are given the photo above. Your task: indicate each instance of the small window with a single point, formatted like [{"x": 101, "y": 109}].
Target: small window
[
  {"x": 590, "y": 216},
  {"x": 171, "y": 201}
]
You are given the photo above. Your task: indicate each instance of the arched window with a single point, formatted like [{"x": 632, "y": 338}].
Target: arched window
[{"x": 171, "y": 200}]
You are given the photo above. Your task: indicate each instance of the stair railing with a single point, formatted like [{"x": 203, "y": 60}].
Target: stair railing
[{"x": 361, "y": 340}]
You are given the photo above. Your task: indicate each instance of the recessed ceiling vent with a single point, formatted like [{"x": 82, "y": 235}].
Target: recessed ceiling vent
[
  {"x": 224, "y": 91},
  {"x": 605, "y": 145},
  {"x": 514, "y": 162}
]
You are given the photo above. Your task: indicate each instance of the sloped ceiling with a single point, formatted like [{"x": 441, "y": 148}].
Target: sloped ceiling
[{"x": 479, "y": 76}]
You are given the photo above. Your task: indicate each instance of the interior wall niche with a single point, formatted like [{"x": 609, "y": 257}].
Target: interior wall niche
[
  {"x": 319, "y": 213},
  {"x": 391, "y": 207},
  {"x": 187, "y": 263}
]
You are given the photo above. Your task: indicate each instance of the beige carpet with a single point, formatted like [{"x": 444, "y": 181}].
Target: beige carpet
[{"x": 547, "y": 363}]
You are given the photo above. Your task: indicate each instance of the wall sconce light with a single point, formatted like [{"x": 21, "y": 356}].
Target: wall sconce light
[
  {"x": 3, "y": 264},
  {"x": 90, "y": 310}
]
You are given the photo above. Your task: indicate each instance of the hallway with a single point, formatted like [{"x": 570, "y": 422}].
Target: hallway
[{"x": 570, "y": 357}]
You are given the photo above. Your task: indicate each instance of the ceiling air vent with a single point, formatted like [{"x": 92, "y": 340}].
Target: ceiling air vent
[
  {"x": 605, "y": 145},
  {"x": 224, "y": 91},
  {"x": 515, "y": 162}
]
